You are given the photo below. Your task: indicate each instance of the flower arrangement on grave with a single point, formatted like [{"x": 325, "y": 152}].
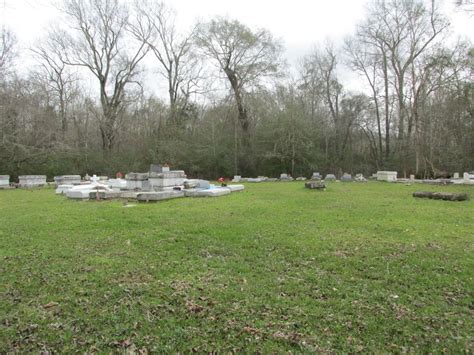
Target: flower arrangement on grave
[{"x": 221, "y": 180}]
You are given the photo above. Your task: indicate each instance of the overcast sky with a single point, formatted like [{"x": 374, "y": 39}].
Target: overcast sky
[{"x": 299, "y": 23}]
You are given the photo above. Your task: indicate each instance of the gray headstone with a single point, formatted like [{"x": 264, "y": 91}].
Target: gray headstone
[
  {"x": 330, "y": 177},
  {"x": 346, "y": 177},
  {"x": 315, "y": 185},
  {"x": 156, "y": 168},
  {"x": 137, "y": 176},
  {"x": 285, "y": 177},
  {"x": 203, "y": 184}
]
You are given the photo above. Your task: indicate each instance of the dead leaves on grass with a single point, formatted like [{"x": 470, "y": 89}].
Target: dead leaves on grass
[
  {"x": 194, "y": 307},
  {"x": 51, "y": 305}
]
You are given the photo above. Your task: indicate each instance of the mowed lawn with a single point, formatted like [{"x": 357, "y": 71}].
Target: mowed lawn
[{"x": 276, "y": 268}]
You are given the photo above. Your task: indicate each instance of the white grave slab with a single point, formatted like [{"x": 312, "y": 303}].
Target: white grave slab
[
  {"x": 120, "y": 184},
  {"x": 103, "y": 195},
  {"x": 158, "y": 183},
  {"x": 83, "y": 191},
  {"x": 129, "y": 194},
  {"x": 389, "y": 176},
  {"x": 216, "y": 192},
  {"x": 159, "y": 195},
  {"x": 62, "y": 189},
  {"x": 468, "y": 178},
  {"x": 32, "y": 180},
  {"x": 4, "y": 181},
  {"x": 235, "y": 188},
  {"x": 67, "y": 180},
  {"x": 255, "y": 180}
]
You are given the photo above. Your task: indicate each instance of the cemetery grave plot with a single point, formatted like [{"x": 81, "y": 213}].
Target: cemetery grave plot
[
  {"x": 358, "y": 268},
  {"x": 159, "y": 184}
]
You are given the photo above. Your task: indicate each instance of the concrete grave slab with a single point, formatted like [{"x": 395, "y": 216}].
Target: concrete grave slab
[
  {"x": 389, "y": 176},
  {"x": 191, "y": 192},
  {"x": 235, "y": 188},
  {"x": 120, "y": 184},
  {"x": 137, "y": 176},
  {"x": 67, "y": 180},
  {"x": 62, "y": 189},
  {"x": 216, "y": 192},
  {"x": 159, "y": 183},
  {"x": 4, "y": 181},
  {"x": 159, "y": 195},
  {"x": 129, "y": 194},
  {"x": 142, "y": 185},
  {"x": 254, "y": 180},
  {"x": 103, "y": 195},
  {"x": 190, "y": 183},
  {"x": 32, "y": 180},
  {"x": 83, "y": 191}
]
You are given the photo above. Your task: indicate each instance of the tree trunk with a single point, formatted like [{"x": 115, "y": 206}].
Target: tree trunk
[{"x": 242, "y": 111}]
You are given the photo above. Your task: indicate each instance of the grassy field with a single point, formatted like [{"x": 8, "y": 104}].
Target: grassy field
[{"x": 359, "y": 267}]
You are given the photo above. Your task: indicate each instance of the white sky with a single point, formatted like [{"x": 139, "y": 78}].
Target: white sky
[{"x": 299, "y": 23}]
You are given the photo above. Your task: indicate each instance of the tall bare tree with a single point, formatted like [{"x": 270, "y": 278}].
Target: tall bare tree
[
  {"x": 102, "y": 43},
  {"x": 245, "y": 56},
  {"x": 173, "y": 51},
  {"x": 7, "y": 51},
  {"x": 57, "y": 77},
  {"x": 406, "y": 29},
  {"x": 320, "y": 70},
  {"x": 368, "y": 62}
]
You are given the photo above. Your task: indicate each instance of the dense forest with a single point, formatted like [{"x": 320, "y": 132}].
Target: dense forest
[{"x": 232, "y": 105}]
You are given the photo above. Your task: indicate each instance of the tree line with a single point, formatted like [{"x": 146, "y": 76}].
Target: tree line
[{"x": 233, "y": 107}]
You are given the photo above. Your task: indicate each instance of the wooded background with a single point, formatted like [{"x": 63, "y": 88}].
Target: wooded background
[{"x": 233, "y": 107}]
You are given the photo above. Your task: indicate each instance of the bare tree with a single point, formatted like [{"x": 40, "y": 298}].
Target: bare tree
[
  {"x": 174, "y": 52},
  {"x": 101, "y": 43},
  {"x": 59, "y": 80},
  {"x": 367, "y": 61},
  {"x": 385, "y": 48},
  {"x": 320, "y": 69},
  {"x": 406, "y": 29},
  {"x": 7, "y": 51},
  {"x": 243, "y": 55}
]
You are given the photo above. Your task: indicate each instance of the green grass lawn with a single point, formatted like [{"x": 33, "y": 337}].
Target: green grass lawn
[{"x": 359, "y": 267}]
